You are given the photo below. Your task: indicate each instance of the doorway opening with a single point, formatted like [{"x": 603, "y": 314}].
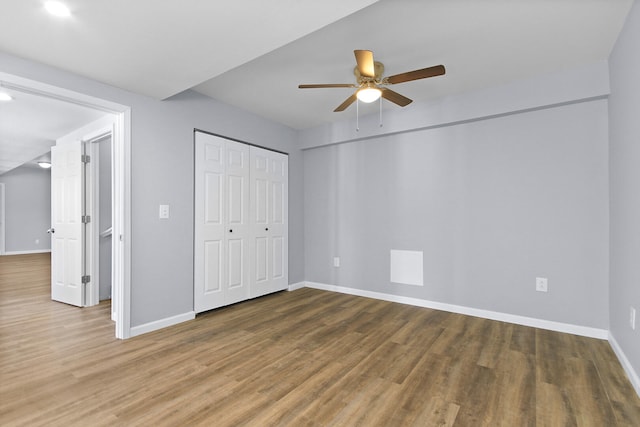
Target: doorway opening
[{"x": 121, "y": 188}]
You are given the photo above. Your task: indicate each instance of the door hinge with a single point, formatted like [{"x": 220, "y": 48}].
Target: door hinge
[
  {"x": 86, "y": 279},
  {"x": 86, "y": 219},
  {"x": 85, "y": 158}
]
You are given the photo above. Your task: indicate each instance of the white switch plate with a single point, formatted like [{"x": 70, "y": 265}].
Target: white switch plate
[
  {"x": 336, "y": 261},
  {"x": 164, "y": 212},
  {"x": 541, "y": 284},
  {"x": 632, "y": 318}
]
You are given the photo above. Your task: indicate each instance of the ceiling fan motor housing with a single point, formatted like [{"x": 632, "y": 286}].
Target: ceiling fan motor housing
[{"x": 378, "y": 68}]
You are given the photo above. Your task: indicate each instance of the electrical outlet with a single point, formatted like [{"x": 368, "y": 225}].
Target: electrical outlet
[
  {"x": 541, "y": 284},
  {"x": 632, "y": 318},
  {"x": 163, "y": 212},
  {"x": 336, "y": 261}
]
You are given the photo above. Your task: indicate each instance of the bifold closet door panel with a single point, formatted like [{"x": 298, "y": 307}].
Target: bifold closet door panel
[
  {"x": 221, "y": 216},
  {"x": 236, "y": 203},
  {"x": 269, "y": 197},
  {"x": 209, "y": 228}
]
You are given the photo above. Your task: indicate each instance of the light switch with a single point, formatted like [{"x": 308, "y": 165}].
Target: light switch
[{"x": 164, "y": 212}]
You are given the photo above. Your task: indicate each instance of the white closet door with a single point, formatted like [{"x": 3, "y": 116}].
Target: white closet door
[
  {"x": 269, "y": 195},
  {"x": 240, "y": 242}
]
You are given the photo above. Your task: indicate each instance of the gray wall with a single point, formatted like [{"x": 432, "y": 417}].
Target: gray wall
[
  {"x": 624, "y": 106},
  {"x": 27, "y": 209},
  {"x": 162, "y": 173},
  {"x": 493, "y": 204}
]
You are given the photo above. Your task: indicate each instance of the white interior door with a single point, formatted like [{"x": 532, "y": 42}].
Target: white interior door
[
  {"x": 269, "y": 195},
  {"x": 67, "y": 229}
]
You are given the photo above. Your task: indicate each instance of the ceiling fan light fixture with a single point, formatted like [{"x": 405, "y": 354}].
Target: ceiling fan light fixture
[{"x": 369, "y": 94}]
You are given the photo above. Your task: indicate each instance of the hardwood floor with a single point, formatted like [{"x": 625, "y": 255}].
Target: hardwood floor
[{"x": 302, "y": 358}]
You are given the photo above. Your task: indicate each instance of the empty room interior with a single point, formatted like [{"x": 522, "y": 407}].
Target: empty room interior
[{"x": 294, "y": 213}]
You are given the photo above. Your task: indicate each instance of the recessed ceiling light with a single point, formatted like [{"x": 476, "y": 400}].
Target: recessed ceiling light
[
  {"x": 57, "y": 8},
  {"x": 5, "y": 96}
]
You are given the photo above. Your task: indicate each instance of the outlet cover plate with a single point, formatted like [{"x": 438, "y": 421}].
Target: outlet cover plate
[
  {"x": 541, "y": 284},
  {"x": 163, "y": 212}
]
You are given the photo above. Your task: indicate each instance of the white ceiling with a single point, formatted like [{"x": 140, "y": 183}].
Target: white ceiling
[
  {"x": 254, "y": 53},
  {"x": 481, "y": 43},
  {"x": 30, "y": 124}
]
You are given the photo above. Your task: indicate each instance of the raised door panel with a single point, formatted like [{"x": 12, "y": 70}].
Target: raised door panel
[
  {"x": 260, "y": 198},
  {"x": 278, "y": 258},
  {"x": 260, "y": 251},
  {"x": 213, "y": 198},
  {"x": 236, "y": 200},
  {"x": 212, "y": 267},
  {"x": 261, "y": 260},
  {"x": 235, "y": 266}
]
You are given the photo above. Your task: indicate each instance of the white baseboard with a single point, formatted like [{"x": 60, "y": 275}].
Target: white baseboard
[
  {"x": 35, "y": 251},
  {"x": 294, "y": 286},
  {"x": 486, "y": 314},
  {"x": 162, "y": 323},
  {"x": 631, "y": 373}
]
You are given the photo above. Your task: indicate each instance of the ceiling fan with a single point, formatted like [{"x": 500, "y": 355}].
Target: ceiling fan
[{"x": 371, "y": 85}]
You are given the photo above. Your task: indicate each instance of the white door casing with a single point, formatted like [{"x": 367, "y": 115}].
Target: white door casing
[
  {"x": 269, "y": 199},
  {"x": 102, "y": 129},
  {"x": 2, "y": 220},
  {"x": 67, "y": 229}
]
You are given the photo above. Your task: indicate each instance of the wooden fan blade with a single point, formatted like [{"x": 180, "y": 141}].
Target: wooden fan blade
[
  {"x": 350, "y": 100},
  {"x": 395, "y": 97},
  {"x": 326, "y": 86},
  {"x": 424, "y": 73},
  {"x": 364, "y": 59}
]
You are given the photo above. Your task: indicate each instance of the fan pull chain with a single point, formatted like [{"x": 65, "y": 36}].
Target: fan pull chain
[
  {"x": 380, "y": 111},
  {"x": 357, "y": 115}
]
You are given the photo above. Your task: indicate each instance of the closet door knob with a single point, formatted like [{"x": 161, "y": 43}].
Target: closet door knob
[
  {"x": 266, "y": 229},
  {"x": 230, "y": 231}
]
